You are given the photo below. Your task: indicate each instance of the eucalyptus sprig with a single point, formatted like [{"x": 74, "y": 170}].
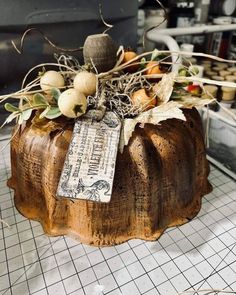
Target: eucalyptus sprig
[{"x": 37, "y": 102}]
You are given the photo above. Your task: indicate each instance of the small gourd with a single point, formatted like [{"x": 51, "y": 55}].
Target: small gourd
[
  {"x": 143, "y": 100},
  {"x": 85, "y": 82},
  {"x": 100, "y": 50},
  {"x": 72, "y": 103},
  {"x": 51, "y": 79}
]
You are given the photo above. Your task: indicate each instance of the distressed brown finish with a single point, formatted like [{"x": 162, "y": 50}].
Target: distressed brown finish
[{"x": 159, "y": 181}]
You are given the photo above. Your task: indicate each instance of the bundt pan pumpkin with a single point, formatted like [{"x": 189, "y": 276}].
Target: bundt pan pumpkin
[{"x": 159, "y": 182}]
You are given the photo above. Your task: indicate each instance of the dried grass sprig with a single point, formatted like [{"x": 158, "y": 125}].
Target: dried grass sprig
[
  {"x": 67, "y": 60},
  {"x": 124, "y": 65},
  {"x": 207, "y": 81},
  {"x": 109, "y": 26},
  {"x": 119, "y": 92},
  {"x": 20, "y": 50},
  {"x": 47, "y": 64},
  {"x": 115, "y": 86}
]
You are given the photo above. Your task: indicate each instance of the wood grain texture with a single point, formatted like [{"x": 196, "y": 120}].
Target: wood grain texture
[
  {"x": 101, "y": 50},
  {"x": 159, "y": 182}
]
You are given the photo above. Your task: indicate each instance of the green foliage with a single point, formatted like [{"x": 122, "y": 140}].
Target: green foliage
[
  {"x": 187, "y": 72},
  {"x": 26, "y": 114},
  {"x": 53, "y": 113},
  {"x": 39, "y": 99},
  {"x": 194, "y": 71},
  {"x": 155, "y": 54},
  {"x": 38, "y": 102},
  {"x": 55, "y": 92},
  {"x": 182, "y": 72},
  {"x": 143, "y": 62},
  {"x": 11, "y": 108}
]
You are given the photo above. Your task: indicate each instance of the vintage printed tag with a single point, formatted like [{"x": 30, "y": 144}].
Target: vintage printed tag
[{"x": 89, "y": 167}]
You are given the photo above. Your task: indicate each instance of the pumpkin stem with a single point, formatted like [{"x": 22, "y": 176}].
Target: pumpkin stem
[{"x": 78, "y": 109}]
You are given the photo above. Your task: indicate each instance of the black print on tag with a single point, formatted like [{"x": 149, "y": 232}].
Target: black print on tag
[{"x": 89, "y": 167}]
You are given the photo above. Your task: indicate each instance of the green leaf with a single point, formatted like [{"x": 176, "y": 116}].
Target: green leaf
[
  {"x": 53, "y": 113},
  {"x": 26, "y": 114},
  {"x": 11, "y": 108},
  {"x": 155, "y": 54},
  {"x": 143, "y": 62},
  {"x": 182, "y": 72},
  {"x": 55, "y": 93},
  {"x": 43, "y": 114},
  {"x": 39, "y": 99}
]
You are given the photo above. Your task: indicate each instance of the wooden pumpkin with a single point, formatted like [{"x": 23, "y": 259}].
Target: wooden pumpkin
[
  {"x": 159, "y": 182},
  {"x": 100, "y": 50}
]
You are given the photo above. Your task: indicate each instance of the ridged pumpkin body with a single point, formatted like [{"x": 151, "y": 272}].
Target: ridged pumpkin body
[
  {"x": 159, "y": 181},
  {"x": 100, "y": 50}
]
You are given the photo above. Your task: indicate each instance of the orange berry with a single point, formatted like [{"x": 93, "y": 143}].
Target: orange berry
[
  {"x": 141, "y": 99},
  {"x": 129, "y": 55},
  {"x": 153, "y": 67}
]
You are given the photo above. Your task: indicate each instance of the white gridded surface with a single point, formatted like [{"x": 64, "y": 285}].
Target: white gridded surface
[{"x": 199, "y": 254}]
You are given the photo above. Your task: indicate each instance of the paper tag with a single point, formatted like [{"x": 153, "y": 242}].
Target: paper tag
[{"x": 89, "y": 167}]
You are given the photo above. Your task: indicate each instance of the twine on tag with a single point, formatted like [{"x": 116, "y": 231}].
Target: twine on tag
[
  {"x": 99, "y": 112},
  {"x": 89, "y": 167},
  {"x": 52, "y": 44}
]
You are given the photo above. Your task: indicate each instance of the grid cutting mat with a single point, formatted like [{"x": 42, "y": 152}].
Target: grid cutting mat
[{"x": 200, "y": 254}]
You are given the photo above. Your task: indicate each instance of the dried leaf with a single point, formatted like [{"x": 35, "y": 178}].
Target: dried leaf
[
  {"x": 154, "y": 116},
  {"x": 164, "y": 88},
  {"x": 194, "y": 101},
  {"x": 10, "y": 118},
  {"x": 120, "y": 54}
]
